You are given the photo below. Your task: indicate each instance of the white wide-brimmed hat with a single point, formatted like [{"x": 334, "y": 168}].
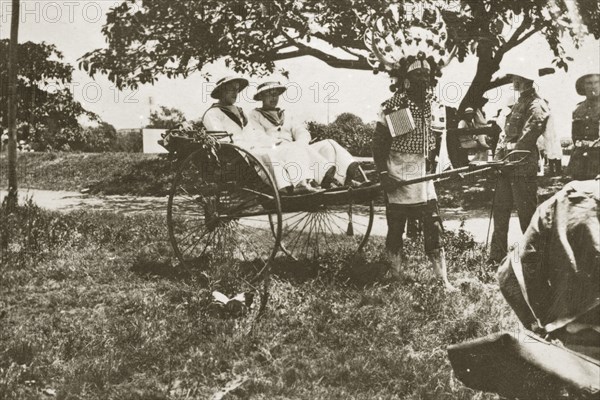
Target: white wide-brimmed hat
[
  {"x": 216, "y": 93},
  {"x": 267, "y": 87},
  {"x": 579, "y": 84}
]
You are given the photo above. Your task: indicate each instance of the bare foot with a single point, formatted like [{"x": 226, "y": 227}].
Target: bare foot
[{"x": 448, "y": 288}]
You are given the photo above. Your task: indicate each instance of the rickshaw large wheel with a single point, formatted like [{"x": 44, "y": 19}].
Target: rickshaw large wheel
[
  {"x": 221, "y": 216},
  {"x": 319, "y": 227}
]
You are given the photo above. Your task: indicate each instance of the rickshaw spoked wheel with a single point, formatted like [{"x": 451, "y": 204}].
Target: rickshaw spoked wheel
[
  {"x": 322, "y": 228},
  {"x": 221, "y": 216}
]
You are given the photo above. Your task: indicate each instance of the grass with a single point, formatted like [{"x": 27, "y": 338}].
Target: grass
[
  {"x": 106, "y": 173},
  {"x": 94, "y": 307}
]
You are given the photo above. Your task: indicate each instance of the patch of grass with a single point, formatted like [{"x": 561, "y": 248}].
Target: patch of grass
[
  {"x": 107, "y": 173},
  {"x": 103, "y": 313}
]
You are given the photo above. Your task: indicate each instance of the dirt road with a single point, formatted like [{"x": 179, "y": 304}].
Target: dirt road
[{"x": 475, "y": 221}]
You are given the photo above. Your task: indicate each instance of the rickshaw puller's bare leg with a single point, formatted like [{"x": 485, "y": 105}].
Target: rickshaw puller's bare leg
[{"x": 438, "y": 260}]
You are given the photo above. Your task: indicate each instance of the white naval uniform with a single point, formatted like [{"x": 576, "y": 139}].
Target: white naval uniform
[{"x": 323, "y": 154}]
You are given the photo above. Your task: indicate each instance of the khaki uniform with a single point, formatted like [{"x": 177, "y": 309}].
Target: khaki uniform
[
  {"x": 524, "y": 125},
  {"x": 585, "y": 159}
]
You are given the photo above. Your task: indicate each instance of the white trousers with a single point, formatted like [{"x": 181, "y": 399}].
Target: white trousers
[
  {"x": 288, "y": 163},
  {"x": 334, "y": 154}
]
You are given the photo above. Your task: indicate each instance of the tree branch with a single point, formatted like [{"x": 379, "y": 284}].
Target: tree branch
[
  {"x": 328, "y": 59},
  {"x": 351, "y": 52},
  {"x": 339, "y": 42},
  {"x": 516, "y": 38},
  {"x": 504, "y": 80},
  {"x": 524, "y": 25},
  {"x": 284, "y": 45},
  {"x": 288, "y": 55},
  {"x": 527, "y": 36},
  {"x": 305, "y": 50}
]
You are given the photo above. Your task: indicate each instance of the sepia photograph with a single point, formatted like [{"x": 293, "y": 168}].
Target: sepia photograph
[{"x": 299, "y": 199}]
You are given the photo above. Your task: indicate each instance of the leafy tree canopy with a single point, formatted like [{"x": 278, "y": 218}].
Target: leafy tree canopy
[
  {"x": 166, "y": 118},
  {"x": 43, "y": 102},
  {"x": 148, "y": 38}
]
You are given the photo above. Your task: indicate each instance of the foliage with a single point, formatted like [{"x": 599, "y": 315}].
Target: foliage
[
  {"x": 149, "y": 38},
  {"x": 29, "y": 230},
  {"x": 100, "y": 138},
  {"x": 129, "y": 142},
  {"x": 491, "y": 29},
  {"x": 102, "y": 313},
  {"x": 46, "y": 105},
  {"x": 148, "y": 177},
  {"x": 348, "y": 130},
  {"x": 166, "y": 118}
]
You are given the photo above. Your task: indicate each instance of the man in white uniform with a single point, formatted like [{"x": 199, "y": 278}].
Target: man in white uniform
[{"x": 324, "y": 154}]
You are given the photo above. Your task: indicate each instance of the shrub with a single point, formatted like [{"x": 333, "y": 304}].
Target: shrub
[
  {"x": 130, "y": 142},
  {"x": 348, "y": 130},
  {"x": 98, "y": 139}
]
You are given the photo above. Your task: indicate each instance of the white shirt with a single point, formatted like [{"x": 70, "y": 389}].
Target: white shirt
[
  {"x": 291, "y": 131},
  {"x": 216, "y": 120}
]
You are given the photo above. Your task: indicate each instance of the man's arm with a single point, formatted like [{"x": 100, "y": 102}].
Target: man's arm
[
  {"x": 382, "y": 141},
  {"x": 300, "y": 133},
  {"x": 535, "y": 125}
]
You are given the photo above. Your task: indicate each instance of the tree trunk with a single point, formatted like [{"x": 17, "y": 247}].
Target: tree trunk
[
  {"x": 486, "y": 67},
  {"x": 12, "y": 106},
  {"x": 479, "y": 85}
]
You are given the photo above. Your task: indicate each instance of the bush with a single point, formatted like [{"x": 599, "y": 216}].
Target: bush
[
  {"x": 348, "y": 130},
  {"x": 99, "y": 139},
  {"x": 95, "y": 139},
  {"x": 129, "y": 142}
]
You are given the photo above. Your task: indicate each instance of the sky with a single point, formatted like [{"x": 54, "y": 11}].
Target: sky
[{"x": 315, "y": 91}]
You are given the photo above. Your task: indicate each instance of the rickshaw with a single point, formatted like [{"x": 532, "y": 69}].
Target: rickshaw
[{"x": 224, "y": 207}]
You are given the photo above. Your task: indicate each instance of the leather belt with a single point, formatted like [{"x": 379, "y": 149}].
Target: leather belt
[{"x": 585, "y": 143}]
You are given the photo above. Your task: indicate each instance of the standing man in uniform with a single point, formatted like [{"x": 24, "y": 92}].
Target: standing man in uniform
[
  {"x": 585, "y": 159},
  {"x": 518, "y": 186}
]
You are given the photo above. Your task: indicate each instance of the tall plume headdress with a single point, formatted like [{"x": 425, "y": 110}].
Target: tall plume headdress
[{"x": 405, "y": 33}]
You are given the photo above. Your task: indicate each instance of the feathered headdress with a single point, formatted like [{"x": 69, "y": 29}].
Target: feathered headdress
[{"x": 407, "y": 31}]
